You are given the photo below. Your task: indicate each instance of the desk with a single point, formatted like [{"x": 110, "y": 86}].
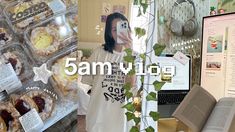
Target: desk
[{"x": 171, "y": 125}]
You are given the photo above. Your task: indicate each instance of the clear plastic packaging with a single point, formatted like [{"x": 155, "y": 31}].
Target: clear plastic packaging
[
  {"x": 3, "y": 95},
  {"x": 70, "y": 3},
  {"x": 5, "y": 2},
  {"x": 49, "y": 37},
  {"x": 15, "y": 55},
  {"x": 43, "y": 96},
  {"x": 66, "y": 85},
  {"x": 26, "y": 13},
  {"x": 6, "y": 34},
  {"x": 0, "y": 12},
  {"x": 44, "y": 99}
]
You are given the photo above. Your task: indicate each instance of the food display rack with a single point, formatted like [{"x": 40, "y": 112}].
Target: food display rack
[{"x": 63, "y": 105}]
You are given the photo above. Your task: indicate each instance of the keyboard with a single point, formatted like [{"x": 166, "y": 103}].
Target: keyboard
[{"x": 170, "y": 98}]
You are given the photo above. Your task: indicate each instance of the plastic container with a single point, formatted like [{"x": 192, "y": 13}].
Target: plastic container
[
  {"x": 6, "y": 34},
  {"x": 49, "y": 37},
  {"x": 1, "y": 12},
  {"x": 3, "y": 95},
  {"x": 40, "y": 90},
  {"x": 15, "y": 55},
  {"x": 26, "y": 13},
  {"x": 71, "y": 3},
  {"x": 66, "y": 85},
  {"x": 5, "y": 2},
  {"x": 38, "y": 85}
]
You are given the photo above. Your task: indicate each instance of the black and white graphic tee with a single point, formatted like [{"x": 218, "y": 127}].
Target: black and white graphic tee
[
  {"x": 112, "y": 85},
  {"x": 107, "y": 97}
]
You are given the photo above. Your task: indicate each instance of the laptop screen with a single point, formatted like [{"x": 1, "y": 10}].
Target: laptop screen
[{"x": 181, "y": 78}]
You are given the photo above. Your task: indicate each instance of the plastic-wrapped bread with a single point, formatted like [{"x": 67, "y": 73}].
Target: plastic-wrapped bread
[{"x": 9, "y": 118}]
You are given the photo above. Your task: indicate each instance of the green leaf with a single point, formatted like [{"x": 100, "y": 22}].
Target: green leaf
[
  {"x": 130, "y": 116},
  {"x": 132, "y": 71},
  {"x": 128, "y": 95},
  {"x": 128, "y": 51},
  {"x": 143, "y": 56},
  {"x": 137, "y": 120},
  {"x": 134, "y": 129},
  {"x": 158, "y": 85},
  {"x": 158, "y": 49},
  {"x": 140, "y": 32},
  {"x": 154, "y": 115},
  {"x": 212, "y": 8},
  {"x": 129, "y": 106},
  {"x": 136, "y": 2},
  {"x": 144, "y": 6},
  {"x": 151, "y": 97},
  {"x": 142, "y": 79},
  {"x": 130, "y": 59},
  {"x": 149, "y": 129},
  {"x": 127, "y": 86}
]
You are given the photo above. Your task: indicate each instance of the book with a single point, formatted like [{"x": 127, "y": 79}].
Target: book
[{"x": 200, "y": 111}]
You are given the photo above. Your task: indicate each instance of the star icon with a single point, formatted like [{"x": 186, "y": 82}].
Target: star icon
[{"x": 42, "y": 73}]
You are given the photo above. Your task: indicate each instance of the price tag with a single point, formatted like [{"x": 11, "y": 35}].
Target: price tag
[
  {"x": 9, "y": 81},
  {"x": 31, "y": 121}
]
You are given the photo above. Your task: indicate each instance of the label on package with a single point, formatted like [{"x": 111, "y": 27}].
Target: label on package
[
  {"x": 36, "y": 12},
  {"x": 31, "y": 121},
  {"x": 8, "y": 78},
  {"x": 29, "y": 14}
]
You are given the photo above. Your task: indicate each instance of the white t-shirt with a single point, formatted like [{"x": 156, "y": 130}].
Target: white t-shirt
[{"x": 104, "y": 112}]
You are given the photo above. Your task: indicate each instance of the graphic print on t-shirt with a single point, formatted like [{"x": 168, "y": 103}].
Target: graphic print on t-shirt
[{"x": 112, "y": 85}]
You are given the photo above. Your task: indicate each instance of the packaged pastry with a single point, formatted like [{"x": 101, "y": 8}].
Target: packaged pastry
[
  {"x": 47, "y": 38},
  {"x": 36, "y": 99},
  {"x": 26, "y": 13},
  {"x": 23, "y": 104},
  {"x": 9, "y": 118},
  {"x": 6, "y": 35},
  {"x": 66, "y": 84},
  {"x": 44, "y": 102},
  {"x": 15, "y": 67}
]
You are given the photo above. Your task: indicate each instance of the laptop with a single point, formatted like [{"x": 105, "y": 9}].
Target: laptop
[{"x": 176, "y": 87}]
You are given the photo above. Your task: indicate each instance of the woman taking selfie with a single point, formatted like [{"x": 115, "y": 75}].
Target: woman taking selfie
[{"x": 104, "y": 113}]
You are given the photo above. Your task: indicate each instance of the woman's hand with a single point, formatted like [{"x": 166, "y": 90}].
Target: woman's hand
[{"x": 127, "y": 40}]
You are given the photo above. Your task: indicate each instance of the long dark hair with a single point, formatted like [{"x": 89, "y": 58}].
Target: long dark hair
[{"x": 109, "y": 40}]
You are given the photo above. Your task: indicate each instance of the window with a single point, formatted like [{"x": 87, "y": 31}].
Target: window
[{"x": 139, "y": 44}]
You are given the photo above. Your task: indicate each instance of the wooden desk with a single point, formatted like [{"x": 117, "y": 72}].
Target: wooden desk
[{"x": 171, "y": 125}]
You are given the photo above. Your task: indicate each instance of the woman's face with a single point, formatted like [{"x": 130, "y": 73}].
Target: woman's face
[{"x": 114, "y": 29}]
